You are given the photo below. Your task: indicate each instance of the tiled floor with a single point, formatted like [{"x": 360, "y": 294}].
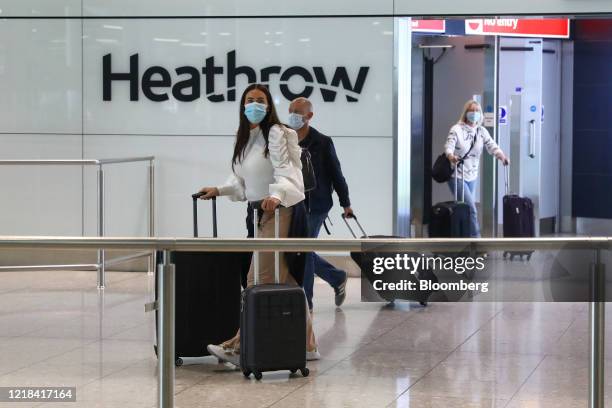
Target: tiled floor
[{"x": 55, "y": 329}]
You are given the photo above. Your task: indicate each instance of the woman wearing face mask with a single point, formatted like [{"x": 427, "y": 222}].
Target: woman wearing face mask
[
  {"x": 266, "y": 167},
  {"x": 466, "y": 140}
]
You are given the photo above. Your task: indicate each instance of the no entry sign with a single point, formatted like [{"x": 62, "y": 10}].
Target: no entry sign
[
  {"x": 519, "y": 27},
  {"x": 428, "y": 26}
]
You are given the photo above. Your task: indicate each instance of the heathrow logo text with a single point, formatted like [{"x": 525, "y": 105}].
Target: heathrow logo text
[{"x": 157, "y": 83}]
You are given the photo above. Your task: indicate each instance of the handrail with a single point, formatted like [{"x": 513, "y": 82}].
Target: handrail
[
  {"x": 100, "y": 163},
  {"x": 73, "y": 162},
  {"x": 126, "y": 160},
  {"x": 301, "y": 244}
]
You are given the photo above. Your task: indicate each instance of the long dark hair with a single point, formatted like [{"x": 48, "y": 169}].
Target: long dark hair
[{"x": 244, "y": 129}]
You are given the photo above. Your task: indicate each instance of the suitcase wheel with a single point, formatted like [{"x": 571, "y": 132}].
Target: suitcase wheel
[
  {"x": 293, "y": 371},
  {"x": 529, "y": 257},
  {"x": 305, "y": 372},
  {"x": 178, "y": 362},
  {"x": 424, "y": 304},
  {"x": 506, "y": 254},
  {"x": 246, "y": 373},
  {"x": 257, "y": 375}
]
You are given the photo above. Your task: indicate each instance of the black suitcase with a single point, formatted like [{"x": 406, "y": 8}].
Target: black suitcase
[
  {"x": 365, "y": 260},
  {"x": 272, "y": 322},
  {"x": 207, "y": 287},
  {"x": 518, "y": 219},
  {"x": 451, "y": 219}
]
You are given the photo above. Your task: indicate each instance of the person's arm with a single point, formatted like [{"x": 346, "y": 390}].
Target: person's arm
[
  {"x": 492, "y": 147},
  {"x": 449, "y": 146},
  {"x": 233, "y": 188},
  {"x": 288, "y": 186},
  {"x": 337, "y": 177}
]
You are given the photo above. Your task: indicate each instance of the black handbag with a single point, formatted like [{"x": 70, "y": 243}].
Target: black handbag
[{"x": 442, "y": 170}]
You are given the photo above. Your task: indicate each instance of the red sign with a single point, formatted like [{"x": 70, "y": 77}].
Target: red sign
[
  {"x": 428, "y": 26},
  {"x": 519, "y": 27}
]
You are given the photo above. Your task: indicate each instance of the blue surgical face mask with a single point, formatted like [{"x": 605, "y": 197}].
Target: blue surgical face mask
[
  {"x": 473, "y": 117},
  {"x": 255, "y": 112},
  {"x": 296, "y": 121}
]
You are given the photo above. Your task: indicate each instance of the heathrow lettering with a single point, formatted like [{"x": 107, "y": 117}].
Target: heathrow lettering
[{"x": 157, "y": 84}]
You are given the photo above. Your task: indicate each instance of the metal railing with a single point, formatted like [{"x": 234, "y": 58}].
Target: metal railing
[
  {"x": 102, "y": 262},
  {"x": 166, "y": 279}
]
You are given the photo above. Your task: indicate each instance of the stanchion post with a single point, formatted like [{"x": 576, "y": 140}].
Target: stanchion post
[
  {"x": 152, "y": 212},
  {"x": 165, "y": 334},
  {"x": 101, "y": 253},
  {"x": 597, "y": 327}
]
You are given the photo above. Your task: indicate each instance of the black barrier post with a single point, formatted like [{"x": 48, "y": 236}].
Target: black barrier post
[{"x": 597, "y": 326}]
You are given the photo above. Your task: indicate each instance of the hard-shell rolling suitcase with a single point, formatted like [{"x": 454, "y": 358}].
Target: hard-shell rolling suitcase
[
  {"x": 272, "y": 322},
  {"x": 207, "y": 286},
  {"x": 365, "y": 260},
  {"x": 451, "y": 219},
  {"x": 518, "y": 219}
]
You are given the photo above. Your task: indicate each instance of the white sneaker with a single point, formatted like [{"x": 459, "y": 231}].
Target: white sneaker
[
  {"x": 223, "y": 355},
  {"x": 313, "y": 355}
]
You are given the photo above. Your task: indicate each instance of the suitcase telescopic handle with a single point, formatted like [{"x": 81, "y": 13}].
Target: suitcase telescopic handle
[
  {"x": 506, "y": 179},
  {"x": 256, "y": 207},
  {"x": 353, "y": 216},
  {"x": 459, "y": 163},
  {"x": 195, "y": 214}
]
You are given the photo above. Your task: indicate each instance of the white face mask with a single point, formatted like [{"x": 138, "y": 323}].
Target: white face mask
[{"x": 296, "y": 121}]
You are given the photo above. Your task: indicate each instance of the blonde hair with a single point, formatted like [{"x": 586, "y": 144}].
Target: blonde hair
[{"x": 466, "y": 107}]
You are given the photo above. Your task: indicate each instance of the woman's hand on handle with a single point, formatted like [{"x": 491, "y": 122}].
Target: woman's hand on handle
[
  {"x": 505, "y": 160},
  {"x": 270, "y": 203},
  {"x": 452, "y": 158},
  {"x": 208, "y": 193}
]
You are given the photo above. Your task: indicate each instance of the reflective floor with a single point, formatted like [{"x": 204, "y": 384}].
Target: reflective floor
[{"x": 56, "y": 330}]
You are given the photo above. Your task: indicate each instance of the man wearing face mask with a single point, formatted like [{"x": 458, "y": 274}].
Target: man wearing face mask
[{"x": 319, "y": 201}]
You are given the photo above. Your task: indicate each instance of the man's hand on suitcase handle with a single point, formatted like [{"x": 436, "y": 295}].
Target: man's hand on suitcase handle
[{"x": 206, "y": 193}]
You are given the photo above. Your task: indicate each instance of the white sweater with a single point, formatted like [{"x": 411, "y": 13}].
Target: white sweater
[
  {"x": 459, "y": 141},
  {"x": 279, "y": 175}
]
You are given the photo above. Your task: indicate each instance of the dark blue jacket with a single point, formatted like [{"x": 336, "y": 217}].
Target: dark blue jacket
[{"x": 328, "y": 172}]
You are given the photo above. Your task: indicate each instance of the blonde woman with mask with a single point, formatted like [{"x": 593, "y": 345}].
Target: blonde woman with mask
[{"x": 468, "y": 138}]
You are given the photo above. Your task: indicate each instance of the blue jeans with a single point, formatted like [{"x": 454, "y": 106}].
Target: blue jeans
[
  {"x": 470, "y": 199},
  {"x": 317, "y": 265}
]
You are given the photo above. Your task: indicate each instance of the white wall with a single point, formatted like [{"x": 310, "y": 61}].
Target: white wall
[
  {"x": 55, "y": 86},
  {"x": 313, "y": 7},
  {"x": 40, "y": 118}
]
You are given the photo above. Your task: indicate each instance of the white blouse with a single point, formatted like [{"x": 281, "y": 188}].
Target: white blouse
[{"x": 279, "y": 175}]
